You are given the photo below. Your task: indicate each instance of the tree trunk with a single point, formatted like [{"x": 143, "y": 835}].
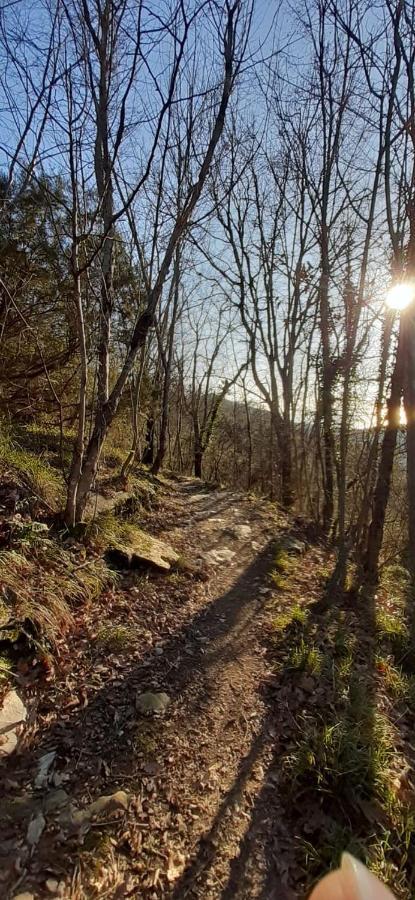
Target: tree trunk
[
  {"x": 148, "y": 455},
  {"x": 384, "y": 476},
  {"x": 409, "y": 403},
  {"x": 198, "y": 462},
  {"x": 161, "y": 452},
  {"x": 78, "y": 453},
  {"x": 249, "y": 435},
  {"x": 135, "y": 404}
]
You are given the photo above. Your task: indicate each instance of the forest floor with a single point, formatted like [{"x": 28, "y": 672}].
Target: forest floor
[{"x": 287, "y": 738}]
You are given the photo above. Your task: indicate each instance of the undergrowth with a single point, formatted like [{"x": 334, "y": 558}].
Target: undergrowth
[
  {"x": 348, "y": 670},
  {"x": 41, "y": 583},
  {"x": 33, "y": 471}
]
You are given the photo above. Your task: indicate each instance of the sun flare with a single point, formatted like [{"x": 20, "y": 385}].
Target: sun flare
[{"x": 400, "y": 295}]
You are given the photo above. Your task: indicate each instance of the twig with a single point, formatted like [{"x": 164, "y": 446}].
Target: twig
[{"x": 9, "y": 672}]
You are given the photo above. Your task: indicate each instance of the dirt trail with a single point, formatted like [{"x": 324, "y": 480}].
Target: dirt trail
[
  {"x": 199, "y": 822},
  {"x": 223, "y": 738}
]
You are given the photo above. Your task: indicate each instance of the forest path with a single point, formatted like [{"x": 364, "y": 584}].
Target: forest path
[
  {"x": 200, "y": 822},
  {"x": 223, "y": 737}
]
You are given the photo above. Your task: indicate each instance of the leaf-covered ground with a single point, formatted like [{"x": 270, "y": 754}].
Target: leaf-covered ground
[{"x": 288, "y": 737}]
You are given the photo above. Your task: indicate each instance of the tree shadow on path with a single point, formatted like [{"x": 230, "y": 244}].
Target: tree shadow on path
[
  {"x": 318, "y": 725},
  {"x": 98, "y": 743}
]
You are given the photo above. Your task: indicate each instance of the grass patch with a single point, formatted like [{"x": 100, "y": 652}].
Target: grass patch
[
  {"x": 279, "y": 580},
  {"x": 344, "y": 667},
  {"x": 115, "y": 637},
  {"x": 342, "y": 757},
  {"x": 305, "y": 657},
  {"x": 34, "y": 472},
  {"x": 145, "y": 742},
  {"x": 41, "y": 582},
  {"x": 399, "y": 685},
  {"x": 391, "y": 629},
  {"x": 297, "y": 615},
  {"x": 343, "y": 642},
  {"x": 396, "y": 580},
  {"x": 284, "y": 565},
  {"x": 327, "y": 854}
]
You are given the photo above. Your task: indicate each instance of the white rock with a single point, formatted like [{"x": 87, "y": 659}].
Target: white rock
[
  {"x": 239, "y": 532},
  {"x": 25, "y": 896},
  {"x": 13, "y": 713},
  {"x": 219, "y": 556}
]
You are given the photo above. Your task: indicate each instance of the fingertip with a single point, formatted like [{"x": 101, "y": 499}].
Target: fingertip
[{"x": 330, "y": 888}]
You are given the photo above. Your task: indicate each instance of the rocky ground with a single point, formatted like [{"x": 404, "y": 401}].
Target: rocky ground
[
  {"x": 167, "y": 780},
  {"x": 157, "y": 758}
]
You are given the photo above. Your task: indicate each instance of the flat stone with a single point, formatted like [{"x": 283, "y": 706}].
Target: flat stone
[
  {"x": 145, "y": 549},
  {"x": 25, "y": 896},
  {"x": 149, "y": 702},
  {"x": 13, "y": 714}
]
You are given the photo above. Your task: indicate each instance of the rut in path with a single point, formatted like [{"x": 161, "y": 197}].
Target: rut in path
[{"x": 201, "y": 823}]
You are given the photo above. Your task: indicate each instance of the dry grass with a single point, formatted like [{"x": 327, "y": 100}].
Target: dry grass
[
  {"x": 32, "y": 471},
  {"x": 41, "y": 583}
]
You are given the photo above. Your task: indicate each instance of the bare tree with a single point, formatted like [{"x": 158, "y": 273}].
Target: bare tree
[{"x": 98, "y": 30}]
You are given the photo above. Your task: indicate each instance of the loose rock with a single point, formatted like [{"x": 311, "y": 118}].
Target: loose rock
[
  {"x": 149, "y": 702},
  {"x": 220, "y": 556},
  {"x": 293, "y": 546},
  {"x": 13, "y": 714},
  {"x": 79, "y": 819},
  {"x": 239, "y": 532},
  {"x": 108, "y": 803},
  {"x": 146, "y": 550}
]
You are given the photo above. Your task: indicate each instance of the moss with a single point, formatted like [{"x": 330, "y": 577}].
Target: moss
[{"x": 115, "y": 637}]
